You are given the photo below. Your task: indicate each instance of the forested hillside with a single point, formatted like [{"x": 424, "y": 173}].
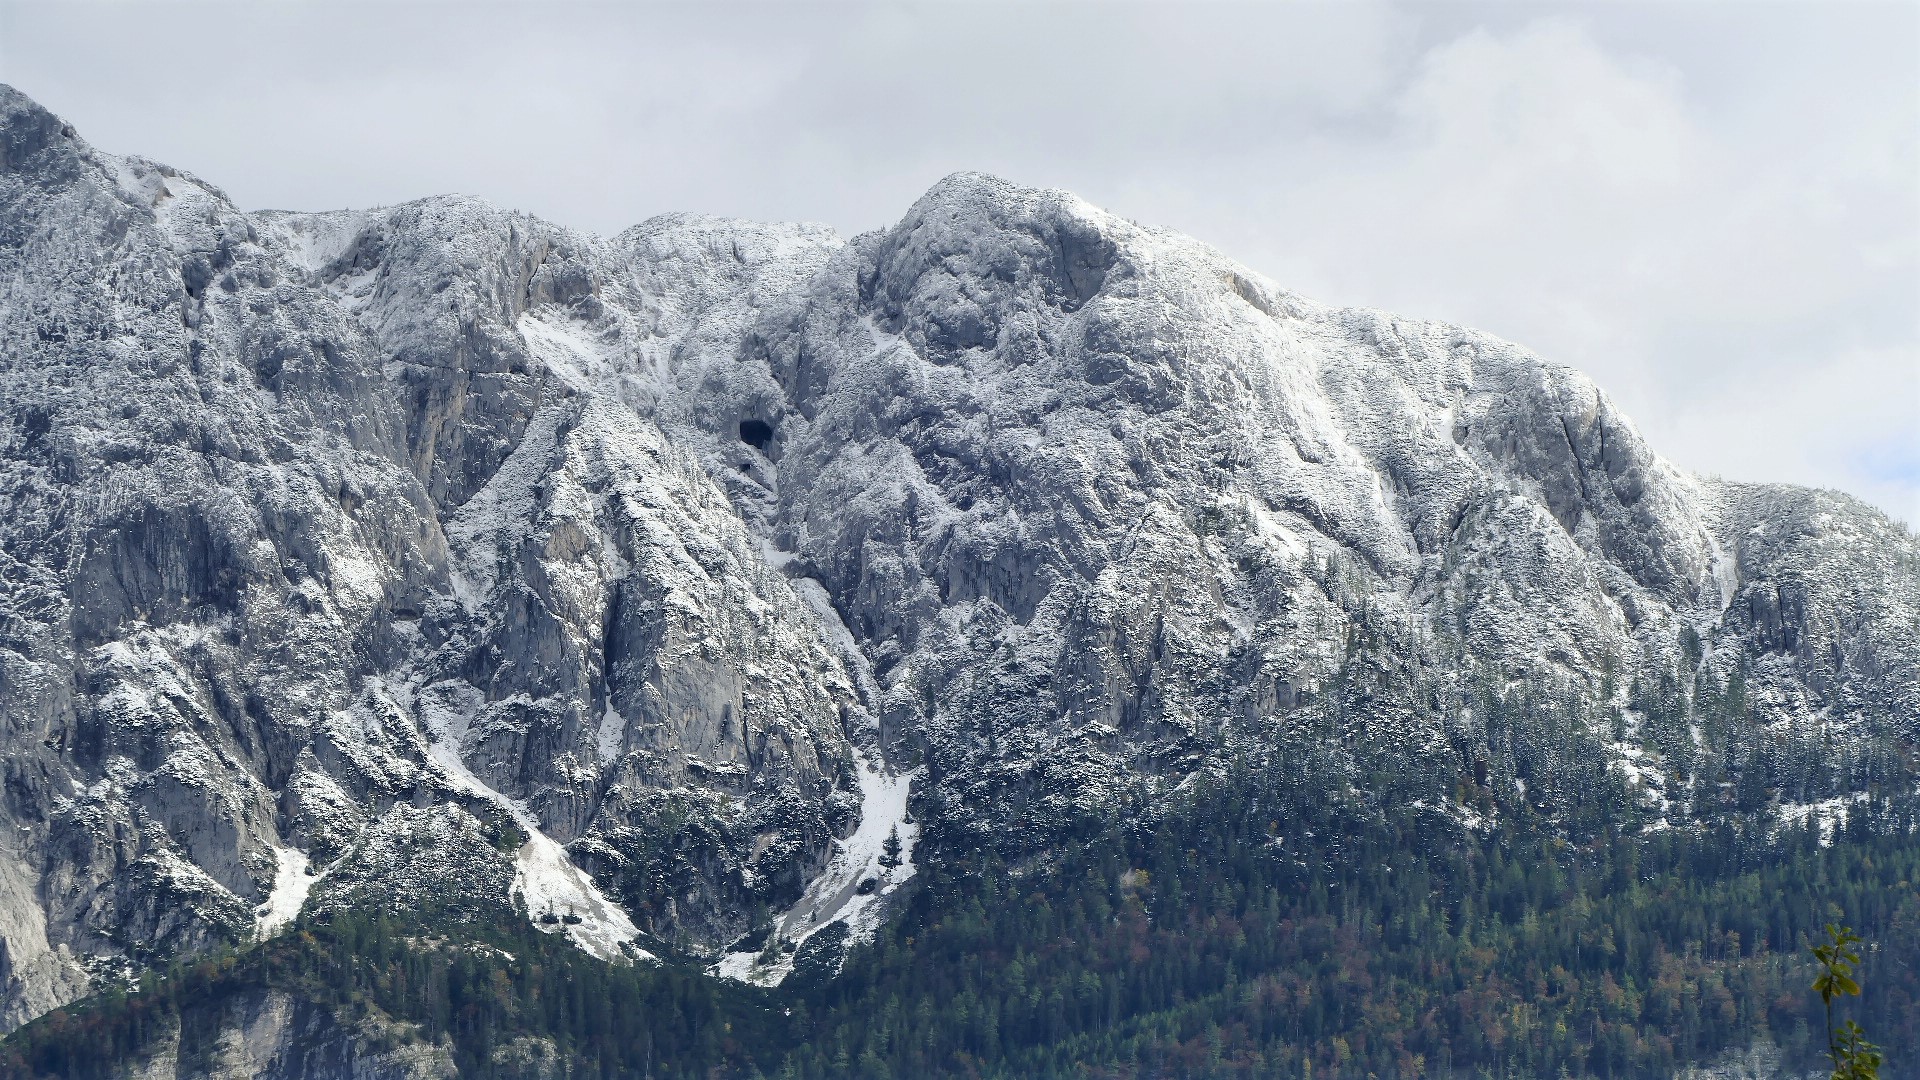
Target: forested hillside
[{"x": 1213, "y": 944}]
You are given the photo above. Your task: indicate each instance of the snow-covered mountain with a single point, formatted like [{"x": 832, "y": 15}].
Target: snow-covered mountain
[{"x": 436, "y": 558}]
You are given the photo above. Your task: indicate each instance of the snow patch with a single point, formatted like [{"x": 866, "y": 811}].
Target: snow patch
[
  {"x": 773, "y": 556},
  {"x": 1643, "y": 774},
  {"x": 1726, "y": 573},
  {"x": 1826, "y": 815},
  {"x": 357, "y": 575},
  {"x": 291, "y": 884},
  {"x": 835, "y": 896},
  {"x": 613, "y": 728},
  {"x": 570, "y": 351},
  {"x": 312, "y": 242},
  {"x": 839, "y": 638},
  {"x": 354, "y": 291}
]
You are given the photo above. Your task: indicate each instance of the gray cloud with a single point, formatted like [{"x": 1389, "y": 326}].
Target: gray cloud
[{"x": 1712, "y": 209}]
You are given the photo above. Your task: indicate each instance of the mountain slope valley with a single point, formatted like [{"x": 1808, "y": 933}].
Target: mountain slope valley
[{"x": 1016, "y": 642}]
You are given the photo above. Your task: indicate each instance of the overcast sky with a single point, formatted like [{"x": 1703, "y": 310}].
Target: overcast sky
[{"x": 1713, "y": 209}]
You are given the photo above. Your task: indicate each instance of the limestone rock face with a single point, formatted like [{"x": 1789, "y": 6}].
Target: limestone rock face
[
  {"x": 382, "y": 544},
  {"x": 269, "y": 1033},
  {"x": 1091, "y": 495},
  {"x": 292, "y": 497}
]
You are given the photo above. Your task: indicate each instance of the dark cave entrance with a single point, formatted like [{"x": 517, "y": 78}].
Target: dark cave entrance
[{"x": 757, "y": 434}]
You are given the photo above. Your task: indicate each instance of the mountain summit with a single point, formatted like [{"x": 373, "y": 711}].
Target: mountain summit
[{"x": 686, "y": 591}]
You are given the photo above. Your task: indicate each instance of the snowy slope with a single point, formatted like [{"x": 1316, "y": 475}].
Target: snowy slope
[{"x": 663, "y": 577}]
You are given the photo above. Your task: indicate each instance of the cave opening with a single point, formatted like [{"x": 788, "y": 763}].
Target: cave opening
[{"x": 757, "y": 434}]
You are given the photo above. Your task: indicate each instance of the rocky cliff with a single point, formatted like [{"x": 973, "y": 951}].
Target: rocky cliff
[{"x": 438, "y": 558}]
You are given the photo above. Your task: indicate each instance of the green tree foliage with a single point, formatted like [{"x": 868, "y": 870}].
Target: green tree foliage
[
  {"x": 1249, "y": 935},
  {"x": 473, "y": 987},
  {"x": 1225, "y": 943},
  {"x": 1854, "y": 1058}
]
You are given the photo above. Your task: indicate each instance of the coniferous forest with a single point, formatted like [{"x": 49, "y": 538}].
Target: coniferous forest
[
  {"x": 1212, "y": 944},
  {"x": 1309, "y": 905}
]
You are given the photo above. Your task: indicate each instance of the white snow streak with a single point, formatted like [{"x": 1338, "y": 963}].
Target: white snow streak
[
  {"x": 1726, "y": 573},
  {"x": 835, "y": 895},
  {"x": 291, "y": 884},
  {"x": 545, "y": 878}
]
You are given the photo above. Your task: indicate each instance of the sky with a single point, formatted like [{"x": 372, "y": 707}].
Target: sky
[{"x": 1713, "y": 209}]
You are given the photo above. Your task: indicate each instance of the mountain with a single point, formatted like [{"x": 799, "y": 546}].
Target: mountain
[{"x": 693, "y": 593}]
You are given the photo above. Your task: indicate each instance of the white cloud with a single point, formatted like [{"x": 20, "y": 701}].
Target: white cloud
[{"x": 1751, "y": 302}]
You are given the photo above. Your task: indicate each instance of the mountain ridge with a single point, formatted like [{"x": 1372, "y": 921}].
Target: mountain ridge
[{"x": 330, "y": 532}]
